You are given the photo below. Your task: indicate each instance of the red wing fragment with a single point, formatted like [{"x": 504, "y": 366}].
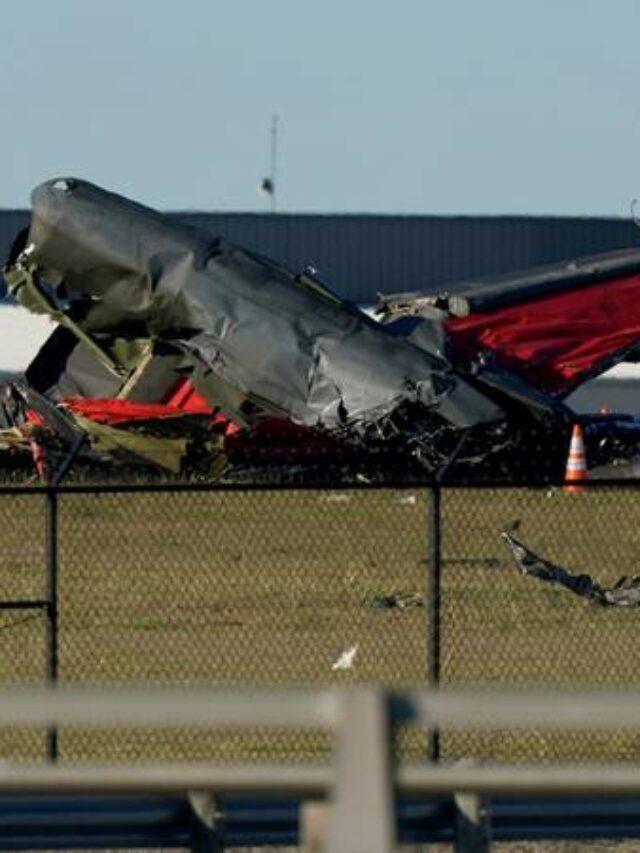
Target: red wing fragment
[{"x": 557, "y": 339}]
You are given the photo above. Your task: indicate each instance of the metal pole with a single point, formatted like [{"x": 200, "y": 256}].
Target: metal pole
[
  {"x": 362, "y": 818},
  {"x": 274, "y": 156},
  {"x": 433, "y": 610},
  {"x": 51, "y": 522}
]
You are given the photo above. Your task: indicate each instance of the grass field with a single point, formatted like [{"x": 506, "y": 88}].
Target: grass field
[{"x": 269, "y": 588}]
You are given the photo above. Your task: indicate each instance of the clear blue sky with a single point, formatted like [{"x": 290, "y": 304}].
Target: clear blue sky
[{"x": 413, "y": 106}]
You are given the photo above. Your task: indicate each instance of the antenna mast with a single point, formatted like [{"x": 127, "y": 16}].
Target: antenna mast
[
  {"x": 274, "y": 159},
  {"x": 268, "y": 185}
]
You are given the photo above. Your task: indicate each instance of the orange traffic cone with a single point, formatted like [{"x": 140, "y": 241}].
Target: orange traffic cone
[{"x": 576, "y": 473}]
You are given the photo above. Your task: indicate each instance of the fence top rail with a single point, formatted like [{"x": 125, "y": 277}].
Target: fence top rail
[
  {"x": 303, "y": 708},
  {"x": 321, "y": 486}
]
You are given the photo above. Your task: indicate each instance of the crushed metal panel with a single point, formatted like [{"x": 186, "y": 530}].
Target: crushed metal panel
[
  {"x": 284, "y": 348},
  {"x": 624, "y": 593},
  {"x": 163, "y": 452}
]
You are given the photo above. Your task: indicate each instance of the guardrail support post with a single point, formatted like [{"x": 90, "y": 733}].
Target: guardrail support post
[
  {"x": 472, "y": 825},
  {"x": 313, "y": 826},
  {"x": 472, "y": 830},
  {"x": 205, "y": 831},
  {"x": 362, "y": 817}
]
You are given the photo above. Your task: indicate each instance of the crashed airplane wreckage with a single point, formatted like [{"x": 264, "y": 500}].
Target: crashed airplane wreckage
[
  {"x": 624, "y": 593},
  {"x": 181, "y": 350}
]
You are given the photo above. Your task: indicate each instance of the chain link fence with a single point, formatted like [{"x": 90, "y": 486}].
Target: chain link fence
[
  {"x": 23, "y": 623},
  {"x": 500, "y": 627},
  {"x": 242, "y": 586}
]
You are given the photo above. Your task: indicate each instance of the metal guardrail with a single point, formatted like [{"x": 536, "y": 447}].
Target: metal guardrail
[{"x": 361, "y": 783}]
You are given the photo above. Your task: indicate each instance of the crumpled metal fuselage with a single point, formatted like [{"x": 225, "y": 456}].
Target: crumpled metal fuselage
[
  {"x": 144, "y": 303},
  {"x": 255, "y": 338}
]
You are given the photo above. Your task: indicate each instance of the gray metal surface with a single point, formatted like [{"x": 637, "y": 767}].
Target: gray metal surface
[
  {"x": 258, "y": 339},
  {"x": 316, "y": 781},
  {"x": 159, "y": 706},
  {"x": 363, "y": 788},
  {"x": 577, "y": 709}
]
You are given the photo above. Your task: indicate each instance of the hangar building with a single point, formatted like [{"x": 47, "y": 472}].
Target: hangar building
[{"x": 361, "y": 255}]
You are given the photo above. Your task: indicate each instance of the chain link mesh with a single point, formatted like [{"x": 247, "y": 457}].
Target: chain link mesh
[
  {"x": 501, "y": 627},
  {"x": 257, "y": 588},
  {"x": 22, "y": 624},
  {"x": 268, "y": 587}
]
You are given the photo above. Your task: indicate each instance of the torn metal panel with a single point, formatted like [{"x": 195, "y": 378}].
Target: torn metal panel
[
  {"x": 273, "y": 343},
  {"x": 164, "y": 452},
  {"x": 624, "y": 593},
  {"x": 518, "y": 390},
  {"x": 436, "y": 306},
  {"x": 64, "y": 367},
  {"x": 111, "y": 432}
]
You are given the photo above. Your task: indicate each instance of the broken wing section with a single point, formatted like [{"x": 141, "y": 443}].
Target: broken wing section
[{"x": 554, "y": 327}]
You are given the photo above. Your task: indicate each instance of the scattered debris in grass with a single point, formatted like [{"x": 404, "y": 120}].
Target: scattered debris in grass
[
  {"x": 346, "y": 659},
  {"x": 397, "y": 599}
]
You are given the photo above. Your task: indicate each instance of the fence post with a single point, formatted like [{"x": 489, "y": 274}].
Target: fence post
[
  {"x": 51, "y": 539},
  {"x": 433, "y": 610}
]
